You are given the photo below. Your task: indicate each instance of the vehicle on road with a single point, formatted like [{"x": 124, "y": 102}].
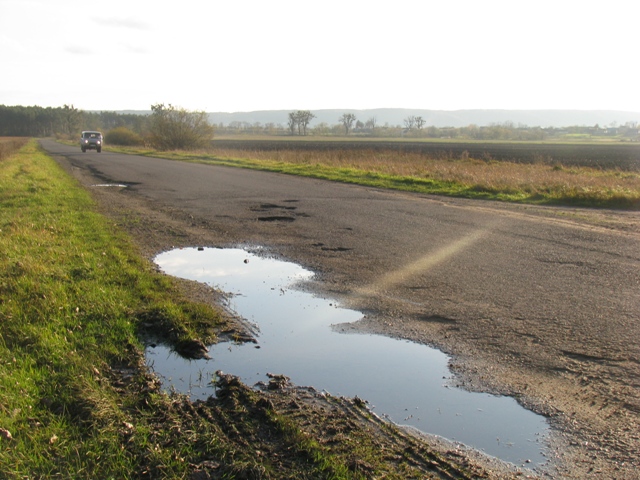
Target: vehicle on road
[{"x": 90, "y": 140}]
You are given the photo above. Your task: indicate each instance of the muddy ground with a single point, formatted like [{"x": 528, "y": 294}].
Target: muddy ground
[{"x": 593, "y": 407}]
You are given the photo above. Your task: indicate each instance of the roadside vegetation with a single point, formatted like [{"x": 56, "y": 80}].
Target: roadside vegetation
[
  {"x": 74, "y": 296},
  {"x": 75, "y": 398},
  {"x": 9, "y": 146},
  {"x": 172, "y": 128},
  {"x": 541, "y": 182},
  {"x": 123, "y": 136}
]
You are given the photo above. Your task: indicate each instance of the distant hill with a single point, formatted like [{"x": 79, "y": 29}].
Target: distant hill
[{"x": 444, "y": 118}]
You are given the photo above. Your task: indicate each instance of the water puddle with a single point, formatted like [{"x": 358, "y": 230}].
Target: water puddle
[
  {"x": 403, "y": 381},
  {"x": 118, "y": 185}
]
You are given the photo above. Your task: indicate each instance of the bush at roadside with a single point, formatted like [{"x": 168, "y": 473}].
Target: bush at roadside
[
  {"x": 174, "y": 128},
  {"x": 123, "y": 136}
]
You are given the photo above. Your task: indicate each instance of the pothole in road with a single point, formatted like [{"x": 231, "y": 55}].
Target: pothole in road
[
  {"x": 271, "y": 206},
  {"x": 276, "y": 218},
  {"x": 404, "y": 381}
]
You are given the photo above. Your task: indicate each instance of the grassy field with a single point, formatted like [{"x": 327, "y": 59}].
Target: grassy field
[
  {"x": 550, "y": 174},
  {"x": 75, "y": 402}
]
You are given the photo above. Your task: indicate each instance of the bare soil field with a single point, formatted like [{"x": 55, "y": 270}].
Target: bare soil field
[{"x": 623, "y": 156}]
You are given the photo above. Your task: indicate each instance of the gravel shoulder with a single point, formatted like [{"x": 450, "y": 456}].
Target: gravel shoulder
[{"x": 590, "y": 392}]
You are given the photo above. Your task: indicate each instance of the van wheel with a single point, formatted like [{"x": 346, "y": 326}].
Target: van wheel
[
  {"x": 99, "y": 149},
  {"x": 84, "y": 150}
]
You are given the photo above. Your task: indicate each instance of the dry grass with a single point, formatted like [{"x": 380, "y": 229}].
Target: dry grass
[
  {"x": 10, "y": 145},
  {"x": 495, "y": 176}
]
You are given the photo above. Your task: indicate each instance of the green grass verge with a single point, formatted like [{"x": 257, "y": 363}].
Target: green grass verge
[{"x": 73, "y": 295}]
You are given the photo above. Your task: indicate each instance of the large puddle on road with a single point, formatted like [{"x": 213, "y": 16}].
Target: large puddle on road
[{"x": 403, "y": 381}]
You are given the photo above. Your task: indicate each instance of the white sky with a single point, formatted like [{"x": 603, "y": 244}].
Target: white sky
[{"x": 245, "y": 55}]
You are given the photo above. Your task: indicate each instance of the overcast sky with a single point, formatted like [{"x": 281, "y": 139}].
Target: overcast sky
[{"x": 236, "y": 55}]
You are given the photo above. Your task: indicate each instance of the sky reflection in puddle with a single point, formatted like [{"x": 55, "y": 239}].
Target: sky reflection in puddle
[{"x": 404, "y": 381}]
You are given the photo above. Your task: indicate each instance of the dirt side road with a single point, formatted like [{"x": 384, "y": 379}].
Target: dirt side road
[{"x": 539, "y": 303}]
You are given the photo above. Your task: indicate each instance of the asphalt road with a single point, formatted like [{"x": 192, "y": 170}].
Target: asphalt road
[
  {"x": 540, "y": 298},
  {"x": 511, "y": 259},
  {"x": 477, "y": 259}
]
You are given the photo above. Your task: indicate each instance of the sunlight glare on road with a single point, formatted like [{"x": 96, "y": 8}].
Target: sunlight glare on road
[{"x": 423, "y": 264}]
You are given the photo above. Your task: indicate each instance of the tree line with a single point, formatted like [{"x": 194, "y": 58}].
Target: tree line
[
  {"x": 416, "y": 127},
  {"x": 167, "y": 127},
  {"x": 35, "y": 121}
]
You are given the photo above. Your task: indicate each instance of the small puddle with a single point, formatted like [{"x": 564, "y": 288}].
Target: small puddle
[
  {"x": 403, "y": 381},
  {"x": 117, "y": 185}
]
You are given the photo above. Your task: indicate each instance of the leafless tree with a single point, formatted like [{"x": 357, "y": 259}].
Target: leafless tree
[
  {"x": 300, "y": 120},
  {"x": 304, "y": 118},
  {"x": 347, "y": 120},
  {"x": 410, "y": 122},
  {"x": 371, "y": 123},
  {"x": 292, "y": 122}
]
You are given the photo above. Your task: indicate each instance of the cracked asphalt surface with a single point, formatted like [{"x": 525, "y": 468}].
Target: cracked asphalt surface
[{"x": 536, "y": 302}]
